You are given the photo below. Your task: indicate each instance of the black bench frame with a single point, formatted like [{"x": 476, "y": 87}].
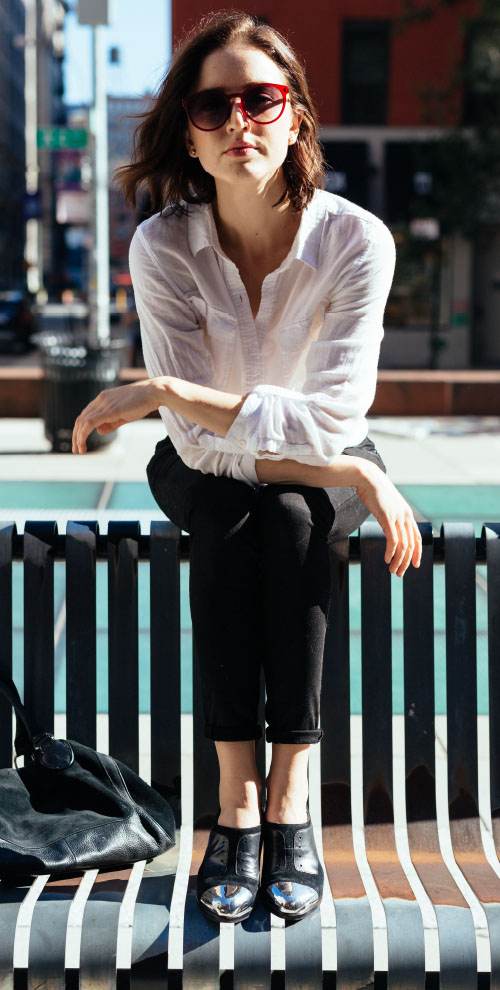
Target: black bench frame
[{"x": 37, "y": 920}]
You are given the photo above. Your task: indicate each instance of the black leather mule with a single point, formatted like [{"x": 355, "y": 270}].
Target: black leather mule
[
  {"x": 292, "y": 875},
  {"x": 228, "y": 878}
]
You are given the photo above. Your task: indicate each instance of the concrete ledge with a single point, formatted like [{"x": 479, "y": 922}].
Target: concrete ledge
[
  {"x": 437, "y": 393},
  {"x": 21, "y": 391},
  {"x": 399, "y": 392}
]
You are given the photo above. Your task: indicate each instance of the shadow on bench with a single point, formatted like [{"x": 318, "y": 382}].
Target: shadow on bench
[{"x": 415, "y": 893}]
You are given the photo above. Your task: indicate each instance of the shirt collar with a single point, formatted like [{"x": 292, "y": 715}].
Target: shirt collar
[{"x": 202, "y": 233}]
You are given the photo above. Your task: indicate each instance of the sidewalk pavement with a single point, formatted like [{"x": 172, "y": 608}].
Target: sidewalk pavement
[{"x": 416, "y": 451}]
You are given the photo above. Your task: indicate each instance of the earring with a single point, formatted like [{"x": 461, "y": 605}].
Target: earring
[{"x": 193, "y": 151}]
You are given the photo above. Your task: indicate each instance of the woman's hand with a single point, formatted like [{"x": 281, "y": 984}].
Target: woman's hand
[
  {"x": 404, "y": 543},
  {"x": 113, "y": 407}
]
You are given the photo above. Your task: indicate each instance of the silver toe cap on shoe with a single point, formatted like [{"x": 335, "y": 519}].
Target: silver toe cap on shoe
[
  {"x": 228, "y": 901},
  {"x": 292, "y": 898}
]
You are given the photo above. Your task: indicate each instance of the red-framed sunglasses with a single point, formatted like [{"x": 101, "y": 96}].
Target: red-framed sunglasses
[{"x": 263, "y": 103}]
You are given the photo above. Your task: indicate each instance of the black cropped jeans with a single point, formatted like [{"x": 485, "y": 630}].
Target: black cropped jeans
[{"x": 259, "y": 590}]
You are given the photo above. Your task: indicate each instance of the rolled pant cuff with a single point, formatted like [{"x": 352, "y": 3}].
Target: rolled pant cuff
[
  {"x": 233, "y": 733},
  {"x": 295, "y": 736}
]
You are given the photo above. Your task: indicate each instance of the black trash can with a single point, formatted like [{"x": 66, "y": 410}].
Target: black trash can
[{"x": 75, "y": 371}]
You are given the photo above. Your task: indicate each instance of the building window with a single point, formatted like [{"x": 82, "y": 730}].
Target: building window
[
  {"x": 348, "y": 169},
  {"x": 365, "y": 72},
  {"x": 481, "y": 74}
]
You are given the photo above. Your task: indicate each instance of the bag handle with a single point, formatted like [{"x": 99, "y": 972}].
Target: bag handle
[{"x": 30, "y": 738}]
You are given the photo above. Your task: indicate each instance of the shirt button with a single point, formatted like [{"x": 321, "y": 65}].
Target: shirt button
[{"x": 241, "y": 443}]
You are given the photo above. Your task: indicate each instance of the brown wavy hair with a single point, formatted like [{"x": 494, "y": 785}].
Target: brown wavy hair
[{"x": 160, "y": 162}]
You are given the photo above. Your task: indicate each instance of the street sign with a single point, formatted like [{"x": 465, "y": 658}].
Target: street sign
[
  {"x": 61, "y": 137},
  {"x": 93, "y": 12}
]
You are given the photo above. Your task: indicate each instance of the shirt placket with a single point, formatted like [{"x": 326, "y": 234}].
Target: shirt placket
[
  {"x": 266, "y": 309},
  {"x": 251, "y": 355}
]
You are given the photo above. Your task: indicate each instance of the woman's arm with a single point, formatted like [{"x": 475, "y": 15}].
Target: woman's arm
[
  {"x": 208, "y": 407},
  {"x": 216, "y": 411},
  {"x": 373, "y": 487}
]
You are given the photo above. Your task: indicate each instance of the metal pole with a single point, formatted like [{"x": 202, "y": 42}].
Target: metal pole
[
  {"x": 32, "y": 249},
  {"x": 99, "y": 297}
]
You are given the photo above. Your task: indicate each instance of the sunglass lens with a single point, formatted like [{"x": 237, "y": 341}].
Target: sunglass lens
[
  {"x": 264, "y": 103},
  {"x": 208, "y": 110}
]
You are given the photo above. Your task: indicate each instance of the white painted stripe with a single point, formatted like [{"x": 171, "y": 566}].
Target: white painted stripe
[
  {"x": 327, "y": 909},
  {"x": 483, "y": 734},
  {"x": 75, "y": 919},
  {"x": 102, "y": 733},
  {"x": 60, "y": 624},
  {"x": 176, "y": 926},
  {"x": 126, "y": 917},
  {"x": 145, "y": 747},
  {"x": 358, "y": 839},
  {"x": 105, "y": 495},
  {"x": 278, "y": 951},
  {"x": 478, "y": 913},
  {"x": 278, "y": 954},
  {"x": 226, "y": 947},
  {"x": 23, "y": 923},
  {"x": 431, "y": 936}
]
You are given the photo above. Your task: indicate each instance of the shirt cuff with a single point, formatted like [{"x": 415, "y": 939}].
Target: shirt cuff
[
  {"x": 261, "y": 425},
  {"x": 246, "y": 470}
]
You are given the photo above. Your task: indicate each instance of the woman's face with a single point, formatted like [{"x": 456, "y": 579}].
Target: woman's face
[{"x": 242, "y": 150}]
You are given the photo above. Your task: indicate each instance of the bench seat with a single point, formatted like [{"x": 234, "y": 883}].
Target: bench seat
[{"x": 406, "y": 806}]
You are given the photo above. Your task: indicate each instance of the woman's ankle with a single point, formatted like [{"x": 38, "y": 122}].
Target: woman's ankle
[
  {"x": 285, "y": 804},
  {"x": 287, "y": 812},
  {"x": 240, "y": 804},
  {"x": 287, "y": 784}
]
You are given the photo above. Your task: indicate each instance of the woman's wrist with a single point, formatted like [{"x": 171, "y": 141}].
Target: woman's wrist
[
  {"x": 208, "y": 407},
  {"x": 160, "y": 388},
  {"x": 358, "y": 470}
]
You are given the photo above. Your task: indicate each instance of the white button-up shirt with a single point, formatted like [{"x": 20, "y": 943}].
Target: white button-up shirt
[{"x": 307, "y": 364}]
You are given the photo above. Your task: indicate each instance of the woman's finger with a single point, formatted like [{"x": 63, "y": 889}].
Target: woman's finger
[
  {"x": 109, "y": 427},
  {"x": 94, "y": 416},
  {"x": 86, "y": 422},
  {"x": 391, "y": 535},
  {"x": 401, "y": 548},
  {"x": 417, "y": 552},
  {"x": 112, "y": 408},
  {"x": 414, "y": 551},
  {"x": 407, "y": 529}
]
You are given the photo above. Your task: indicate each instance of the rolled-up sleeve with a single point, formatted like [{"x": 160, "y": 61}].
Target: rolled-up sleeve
[
  {"x": 316, "y": 424},
  {"x": 174, "y": 344}
]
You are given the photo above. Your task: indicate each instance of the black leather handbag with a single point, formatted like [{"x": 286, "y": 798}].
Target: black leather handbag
[{"x": 71, "y": 809}]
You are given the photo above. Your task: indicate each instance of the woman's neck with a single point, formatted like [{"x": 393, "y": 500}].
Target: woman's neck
[{"x": 249, "y": 225}]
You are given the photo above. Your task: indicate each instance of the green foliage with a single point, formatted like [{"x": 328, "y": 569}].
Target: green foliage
[{"x": 466, "y": 158}]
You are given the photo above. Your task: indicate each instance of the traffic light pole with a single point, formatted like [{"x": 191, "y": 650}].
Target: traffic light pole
[
  {"x": 33, "y": 254},
  {"x": 99, "y": 275}
]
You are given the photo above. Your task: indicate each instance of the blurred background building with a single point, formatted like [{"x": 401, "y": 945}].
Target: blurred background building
[
  {"x": 122, "y": 121},
  {"x": 12, "y": 148},
  {"x": 408, "y": 95}
]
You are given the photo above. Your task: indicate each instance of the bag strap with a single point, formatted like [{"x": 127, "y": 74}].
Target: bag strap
[{"x": 27, "y": 729}]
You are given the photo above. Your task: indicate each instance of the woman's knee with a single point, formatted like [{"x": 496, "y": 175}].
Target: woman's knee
[
  {"x": 219, "y": 506},
  {"x": 199, "y": 502},
  {"x": 297, "y": 507}
]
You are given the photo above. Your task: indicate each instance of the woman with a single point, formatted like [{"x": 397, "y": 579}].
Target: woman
[{"x": 261, "y": 300}]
